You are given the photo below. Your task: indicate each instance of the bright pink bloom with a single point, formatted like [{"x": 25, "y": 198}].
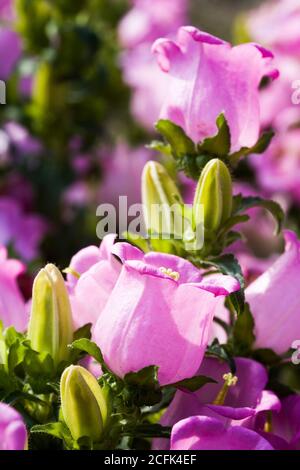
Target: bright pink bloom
[
  {"x": 12, "y": 305},
  {"x": 244, "y": 402},
  {"x": 274, "y": 300},
  {"x": 147, "y": 21},
  {"x": 147, "y": 319},
  {"x": 10, "y": 52},
  {"x": 204, "y": 433},
  {"x": 278, "y": 169},
  {"x": 24, "y": 231},
  {"x": 99, "y": 272},
  {"x": 122, "y": 171},
  {"x": 13, "y": 434},
  {"x": 208, "y": 77},
  {"x": 276, "y": 25}
]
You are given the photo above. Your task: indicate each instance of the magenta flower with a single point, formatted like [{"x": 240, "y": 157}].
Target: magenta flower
[
  {"x": 243, "y": 404},
  {"x": 147, "y": 319},
  {"x": 274, "y": 300},
  {"x": 99, "y": 272},
  {"x": 10, "y": 52},
  {"x": 208, "y": 77},
  {"x": 122, "y": 171},
  {"x": 276, "y": 25},
  {"x": 13, "y": 434},
  {"x": 147, "y": 21},
  {"x": 286, "y": 423},
  {"x": 24, "y": 231},
  {"x": 22, "y": 141},
  {"x": 204, "y": 433},
  {"x": 12, "y": 305},
  {"x": 7, "y": 10},
  {"x": 278, "y": 169}
]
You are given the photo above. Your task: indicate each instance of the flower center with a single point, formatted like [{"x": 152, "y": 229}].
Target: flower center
[
  {"x": 168, "y": 272},
  {"x": 230, "y": 381}
]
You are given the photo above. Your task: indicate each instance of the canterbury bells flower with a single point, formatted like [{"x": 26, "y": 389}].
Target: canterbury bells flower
[
  {"x": 213, "y": 197},
  {"x": 161, "y": 200},
  {"x": 84, "y": 403},
  {"x": 50, "y": 326}
]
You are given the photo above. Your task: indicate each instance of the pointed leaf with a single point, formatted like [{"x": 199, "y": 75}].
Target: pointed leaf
[{"x": 193, "y": 384}]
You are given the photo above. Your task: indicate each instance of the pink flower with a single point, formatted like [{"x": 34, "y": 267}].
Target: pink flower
[
  {"x": 276, "y": 25},
  {"x": 13, "y": 435},
  {"x": 122, "y": 171},
  {"x": 148, "y": 20},
  {"x": 208, "y": 77},
  {"x": 12, "y": 305},
  {"x": 24, "y": 231},
  {"x": 147, "y": 319},
  {"x": 99, "y": 272},
  {"x": 20, "y": 138},
  {"x": 278, "y": 169},
  {"x": 244, "y": 403},
  {"x": 286, "y": 423},
  {"x": 149, "y": 85},
  {"x": 274, "y": 300},
  {"x": 10, "y": 52},
  {"x": 204, "y": 433},
  {"x": 7, "y": 10},
  {"x": 145, "y": 22}
]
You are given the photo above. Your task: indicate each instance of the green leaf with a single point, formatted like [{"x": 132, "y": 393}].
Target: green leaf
[
  {"x": 83, "y": 332},
  {"x": 90, "y": 348},
  {"x": 220, "y": 351},
  {"x": 180, "y": 143},
  {"x": 245, "y": 203},
  {"x": 228, "y": 264},
  {"x": 218, "y": 145},
  {"x": 146, "y": 430},
  {"x": 193, "y": 384},
  {"x": 161, "y": 147},
  {"x": 260, "y": 147},
  {"x": 266, "y": 356},
  {"x": 142, "y": 387},
  {"x": 243, "y": 332},
  {"x": 58, "y": 430}
]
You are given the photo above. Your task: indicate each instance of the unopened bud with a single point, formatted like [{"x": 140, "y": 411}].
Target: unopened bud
[
  {"x": 50, "y": 326},
  {"x": 84, "y": 404},
  {"x": 214, "y": 194},
  {"x": 162, "y": 201}
]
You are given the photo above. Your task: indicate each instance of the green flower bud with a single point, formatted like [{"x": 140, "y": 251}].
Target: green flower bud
[
  {"x": 84, "y": 404},
  {"x": 214, "y": 194},
  {"x": 159, "y": 193},
  {"x": 50, "y": 327}
]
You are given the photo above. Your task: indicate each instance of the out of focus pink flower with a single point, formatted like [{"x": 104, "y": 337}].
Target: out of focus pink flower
[
  {"x": 276, "y": 25},
  {"x": 244, "y": 404},
  {"x": 10, "y": 51},
  {"x": 23, "y": 231},
  {"x": 278, "y": 169},
  {"x": 205, "y": 433},
  {"x": 274, "y": 300},
  {"x": 139, "y": 28},
  {"x": 7, "y": 11},
  {"x": 122, "y": 170},
  {"x": 98, "y": 272},
  {"x": 22, "y": 141},
  {"x": 12, "y": 305},
  {"x": 151, "y": 295},
  {"x": 208, "y": 77},
  {"x": 286, "y": 424},
  {"x": 13, "y": 434},
  {"x": 146, "y": 21}
]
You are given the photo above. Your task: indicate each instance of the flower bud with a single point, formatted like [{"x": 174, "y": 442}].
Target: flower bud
[
  {"x": 84, "y": 403},
  {"x": 213, "y": 197},
  {"x": 159, "y": 194},
  {"x": 50, "y": 326}
]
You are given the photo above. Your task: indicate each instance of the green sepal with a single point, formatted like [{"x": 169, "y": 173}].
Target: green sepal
[
  {"x": 58, "y": 430},
  {"x": 218, "y": 145},
  {"x": 193, "y": 384},
  {"x": 242, "y": 204},
  {"x": 243, "y": 332},
  {"x": 221, "y": 352},
  {"x": 90, "y": 348},
  {"x": 261, "y": 146},
  {"x": 179, "y": 142},
  {"x": 143, "y": 387}
]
